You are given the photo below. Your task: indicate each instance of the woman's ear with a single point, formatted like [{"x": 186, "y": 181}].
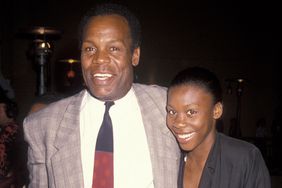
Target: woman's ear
[
  {"x": 136, "y": 56},
  {"x": 217, "y": 110}
]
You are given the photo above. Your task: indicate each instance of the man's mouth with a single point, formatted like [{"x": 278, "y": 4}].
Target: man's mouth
[{"x": 102, "y": 76}]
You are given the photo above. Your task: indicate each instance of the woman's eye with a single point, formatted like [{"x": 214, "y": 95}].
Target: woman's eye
[
  {"x": 114, "y": 49},
  {"x": 191, "y": 112},
  {"x": 171, "y": 112}
]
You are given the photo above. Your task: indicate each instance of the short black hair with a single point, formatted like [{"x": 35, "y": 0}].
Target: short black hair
[
  {"x": 118, "y": 9},
  {"x": 201, "y": 77}
]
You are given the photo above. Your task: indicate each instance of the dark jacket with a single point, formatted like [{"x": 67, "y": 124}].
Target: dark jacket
[{"x": 232, "y": 163}]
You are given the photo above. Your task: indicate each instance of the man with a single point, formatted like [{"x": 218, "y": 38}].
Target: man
[{"x": 62, "y": 137}]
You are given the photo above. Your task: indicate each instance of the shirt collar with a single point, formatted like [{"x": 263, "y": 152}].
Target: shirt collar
[{"x": 89, "y": 98}]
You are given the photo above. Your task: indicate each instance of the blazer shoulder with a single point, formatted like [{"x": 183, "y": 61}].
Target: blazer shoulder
[
  {"x": 150, "y": 86},
  {"x": 236, "y": 148},
  {"x": 154, "y": 91},
  {"x": 54, "y": 109}
]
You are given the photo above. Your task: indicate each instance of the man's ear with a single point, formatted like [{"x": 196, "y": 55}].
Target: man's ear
[
  {"x": 136, "y": 56},
  {"x": 217, "y": 110}
]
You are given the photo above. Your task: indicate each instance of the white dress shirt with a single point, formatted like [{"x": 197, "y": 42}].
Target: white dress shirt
[{"x": 132, "y": 163}]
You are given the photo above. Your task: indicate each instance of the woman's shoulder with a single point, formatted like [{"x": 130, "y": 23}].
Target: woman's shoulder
[{"x": 236, "y": 148}]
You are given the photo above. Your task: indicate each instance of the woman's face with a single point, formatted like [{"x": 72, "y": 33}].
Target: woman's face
[{"x": 191, "y": 116}]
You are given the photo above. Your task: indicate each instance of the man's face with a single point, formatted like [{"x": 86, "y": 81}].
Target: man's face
[{"x": 106, "y": 58}]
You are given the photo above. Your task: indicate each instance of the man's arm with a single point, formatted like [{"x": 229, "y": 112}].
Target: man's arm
[{"x": 36, "y": 154}]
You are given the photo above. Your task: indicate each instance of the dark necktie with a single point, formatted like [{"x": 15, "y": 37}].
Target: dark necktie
[{"x": 104, "y": 165}]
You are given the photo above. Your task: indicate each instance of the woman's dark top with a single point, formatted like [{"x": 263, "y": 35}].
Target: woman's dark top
[{"x": 232, "y": 163}]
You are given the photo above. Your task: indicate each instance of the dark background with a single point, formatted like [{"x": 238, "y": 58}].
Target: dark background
[{"x": 235, "y": 39}]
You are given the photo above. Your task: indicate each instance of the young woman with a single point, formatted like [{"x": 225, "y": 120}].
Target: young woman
[{"x": 209, "y": 159}]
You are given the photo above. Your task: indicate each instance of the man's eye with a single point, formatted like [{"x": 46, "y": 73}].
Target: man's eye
[{"x": 89, "y": 50}]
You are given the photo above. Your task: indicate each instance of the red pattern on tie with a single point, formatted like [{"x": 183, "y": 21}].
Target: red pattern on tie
[{"x": 103, "y": 176}]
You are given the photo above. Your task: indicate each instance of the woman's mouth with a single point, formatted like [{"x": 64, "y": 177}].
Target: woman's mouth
[{"x": 185, "y": 137}]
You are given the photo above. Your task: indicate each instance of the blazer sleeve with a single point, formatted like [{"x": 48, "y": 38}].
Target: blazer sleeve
[
  {"x": 36, "y": 154},
  {"x": 258, "y": 174}
]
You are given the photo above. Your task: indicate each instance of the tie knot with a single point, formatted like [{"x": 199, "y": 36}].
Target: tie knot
[{"x": 108, "y": 104}]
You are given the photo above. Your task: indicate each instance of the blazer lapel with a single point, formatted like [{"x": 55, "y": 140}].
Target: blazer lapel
[
  {"x": 66, "y": 163},
  {"x": 163, "y": 148}
]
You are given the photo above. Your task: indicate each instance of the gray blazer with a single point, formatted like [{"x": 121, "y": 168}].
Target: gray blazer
[{"x": 54, "y": 153}]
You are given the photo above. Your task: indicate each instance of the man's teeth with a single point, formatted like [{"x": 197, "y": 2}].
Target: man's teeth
[
  {"x": 100, "y": 75},
  {"x": 185, "y": 136}
]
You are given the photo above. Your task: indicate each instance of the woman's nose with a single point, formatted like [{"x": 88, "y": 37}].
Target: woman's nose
[{"x": 180, "y": 120}]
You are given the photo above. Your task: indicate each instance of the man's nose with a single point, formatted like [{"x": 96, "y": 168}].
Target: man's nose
[{"x": 101, "y": 57}]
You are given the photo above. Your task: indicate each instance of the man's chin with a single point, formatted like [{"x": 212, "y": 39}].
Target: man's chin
[{"x": 101, "y": 95}]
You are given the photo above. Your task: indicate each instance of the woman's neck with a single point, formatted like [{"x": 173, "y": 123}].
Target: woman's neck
[{"x": 200, "y": 154}]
